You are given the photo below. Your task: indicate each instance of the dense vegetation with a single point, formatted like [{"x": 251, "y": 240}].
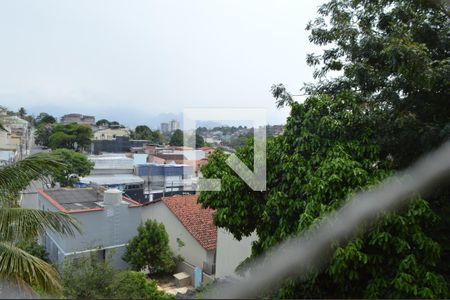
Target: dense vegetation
[
  {"x": 76, "y": 165},
  {"x": 150, "y": 249},
  {"x": 143, "y": 132},
  {"x": 70, "y": 136},
  {"x": 21, "y": 260},
  {"x": 87, "y": 277},
  {"x": 177, "y": 139},
  {"x": 387, "y": 106}
]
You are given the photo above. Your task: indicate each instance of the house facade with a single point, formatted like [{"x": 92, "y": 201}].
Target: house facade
[
  {"x": 191, "y": 230},
  {"x": 78, "y": 118},
  {"x": 230, "y": 252},
  {"x": 110, "y": 133},
  {"x": 107, "y": 219}
]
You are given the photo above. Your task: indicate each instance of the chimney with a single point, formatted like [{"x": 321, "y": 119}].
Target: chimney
[{"x": 112, "y": 197}]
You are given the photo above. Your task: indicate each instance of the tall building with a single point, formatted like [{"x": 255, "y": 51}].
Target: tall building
[
  {"x": 164, "y": 127},
  {"x": 174, "y": 125}
]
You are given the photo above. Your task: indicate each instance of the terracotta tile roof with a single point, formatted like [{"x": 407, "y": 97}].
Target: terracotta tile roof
[{"x": 197, "y": 220}]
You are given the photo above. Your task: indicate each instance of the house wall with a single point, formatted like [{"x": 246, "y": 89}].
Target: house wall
[
  {"x": 192, "y": 252},
  {"x": 231, "y": 252},
  {"x": 110, "y": 134},
  {"x": 112, "y": 228}
]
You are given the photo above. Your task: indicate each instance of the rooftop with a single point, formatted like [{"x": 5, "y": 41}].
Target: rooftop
[
  {"x": 112, "y": 179},
  {"x": 197, "y": 220},
  {"x": 111, "y": 162},
  {"x": 79, "y": 200}
]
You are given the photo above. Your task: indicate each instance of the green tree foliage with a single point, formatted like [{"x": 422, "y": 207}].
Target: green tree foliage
[
  {"x": 143, "y": 132},
  {"x": 44, "y": 118},
  {"x": 102, "y": 122},
  {"x": 44, "y": 127},
  {"x": 87, "y": 277},
  {"x": 76, "y": 165},
  {"x": 22, "y": 112},
  {"x": 32, "y": 247},
  {"x": 177, "y": 138},
  {"x": 42, "y": 134},
  {"x": 134, "y": 285},
  {"x": 18, "y": 226},
  {"x": 199, "y": 141},
  {"x": 326, "y": 153},
  {"x": 71, "y": 136},
  {"x": 150, "y": 249},
  {"x": 394, "y": 55}
]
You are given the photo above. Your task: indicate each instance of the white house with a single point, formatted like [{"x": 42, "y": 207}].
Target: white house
[
  {"x": 192, "y": 233},
  {"x": 108, "y": 220},
  {"x": 230, "y": 252},
  {"x": 110, "y": 133}
]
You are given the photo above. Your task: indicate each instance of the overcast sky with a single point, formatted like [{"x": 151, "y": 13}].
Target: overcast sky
[{"x": 135, "y": 61}]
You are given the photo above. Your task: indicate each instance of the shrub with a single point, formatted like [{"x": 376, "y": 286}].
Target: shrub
[{"x": 150, "y": 249}]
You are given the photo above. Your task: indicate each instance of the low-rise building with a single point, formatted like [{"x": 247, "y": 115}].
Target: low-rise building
[
  {"x": 164, "y": 128},
  {"x": 121, "y": 144},
  {"x": 79, "y": 119},
  {"x": 108, "y": 220},
  {"x": 110, "y": 133},
  {"x": 161, "y": 179},
  {"x": 191, "y": 230},
  {"x": 16, "y": 135},
  {"x": 230, "y": 252},
  {"x": 115, "y": 171}
]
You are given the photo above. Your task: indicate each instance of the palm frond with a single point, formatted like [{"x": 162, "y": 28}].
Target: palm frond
[
  {"x": 25, "y": 223},
  {"x": 16, "y": 177},
  {"x": 19, "y": 267}
]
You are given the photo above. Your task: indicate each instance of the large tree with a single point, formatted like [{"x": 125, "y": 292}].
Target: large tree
[
  {"x": 19, "y": 225},
  {"x": 71, "y": 136},
  {"x": 177, "y": 138},
  {"x": 143, "y": 132},
  {"x": 327, "y": 152},
  {"x": 76, "y": 165},
  {"x": 44, "y": 118},
  {"x": 394, "y": 56}
]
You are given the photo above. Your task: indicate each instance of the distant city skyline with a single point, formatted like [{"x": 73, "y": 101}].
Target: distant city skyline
[{"x": 143, "y": 62}]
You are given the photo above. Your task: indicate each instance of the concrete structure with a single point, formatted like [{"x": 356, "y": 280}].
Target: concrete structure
[
  {"x": 195, "y": 158},
  {"x": 79, "y": 119},
  {"x": 107, "y": 219},
  {"x": 7, "y": 157},
  {"x": 192, "y": 233},
  {"x": 115, "y": 171},
  {"x": 231, "y": 252},
  {"x": 110, "y": 133},
  {"x": 165, "y": 128},
  {"x": 174, "y": 125},
  {"x": 121, "y": 144},
  {"x": 15, "y": 139},
  {"x": 170, "y": 177}
]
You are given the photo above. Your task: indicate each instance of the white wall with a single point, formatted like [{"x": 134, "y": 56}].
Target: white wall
[
  {"x": 192, "y": 252},
  {"x": 231, "y": 252},
  {"x": 114, "y": 226}
]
